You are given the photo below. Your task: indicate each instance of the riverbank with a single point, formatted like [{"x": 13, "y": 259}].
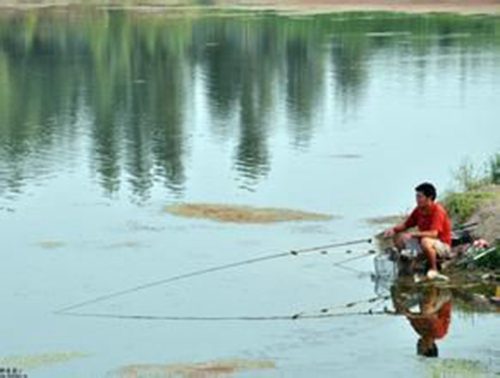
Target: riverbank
[
  {"x": 293, "y": 6},
  {"x": 480, "y": 206},
  {"x": 477, "y": 199}
]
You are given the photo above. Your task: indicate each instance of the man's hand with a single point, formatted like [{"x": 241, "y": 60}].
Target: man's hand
[
  {"x": 389, "y": 233},
  {"x": 410, "y": 235}
]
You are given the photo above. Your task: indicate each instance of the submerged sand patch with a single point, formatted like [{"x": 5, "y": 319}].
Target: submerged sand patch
[
  {"x": 206, "y": 369},
  {"x": 242, "y": 214},
  {"x": 125, "y": 244},
  {"x": 51, "y": 244},
  {"x": 386, "y": 220},
  {"x": 345, "y": 156}
]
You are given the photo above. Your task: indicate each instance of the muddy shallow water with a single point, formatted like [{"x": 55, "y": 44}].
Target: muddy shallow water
[{"x": 109, "y": 118}]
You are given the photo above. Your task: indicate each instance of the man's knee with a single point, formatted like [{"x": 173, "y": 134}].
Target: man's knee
[{"x": 427, "y": 245}]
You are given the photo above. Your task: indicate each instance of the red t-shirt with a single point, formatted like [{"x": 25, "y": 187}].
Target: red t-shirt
[
  {"x": 435, "y": 326},
  {"x": 435, "y": 219}
]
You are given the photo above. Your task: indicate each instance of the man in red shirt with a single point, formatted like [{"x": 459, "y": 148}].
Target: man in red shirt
[{"x": 433, "y": 235}]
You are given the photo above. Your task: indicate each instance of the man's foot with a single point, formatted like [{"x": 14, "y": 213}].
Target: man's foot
[
  {"x": 417, "y": 278},
  {"x": 434, "y": 275}
]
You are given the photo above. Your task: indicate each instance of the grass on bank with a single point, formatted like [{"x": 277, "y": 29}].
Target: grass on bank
[{"x": 477, "y": 188}]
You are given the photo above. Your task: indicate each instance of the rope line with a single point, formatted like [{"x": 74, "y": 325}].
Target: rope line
[
  {"x": 321, "y": 314},
  {"x": 201, "y": 272},
  {"x": 230, "y": 318}
]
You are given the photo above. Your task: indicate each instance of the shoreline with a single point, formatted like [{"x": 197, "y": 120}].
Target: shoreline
[{"x": 304, "y": 7}]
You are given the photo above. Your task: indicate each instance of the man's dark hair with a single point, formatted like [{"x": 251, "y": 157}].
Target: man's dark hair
[
  {"x": 427, "y": 190},
  {"x": 431, "y": 351}
]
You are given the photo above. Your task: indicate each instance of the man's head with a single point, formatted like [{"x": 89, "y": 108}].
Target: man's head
[
  {"x": 426, "y": 194},
  {"x": 427, "y": 347}
]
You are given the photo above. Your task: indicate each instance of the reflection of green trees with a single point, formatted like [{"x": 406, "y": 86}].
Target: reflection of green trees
[
  {"x": 239, "y": 60},
  {"x": 131, "y": 74},
  {"x": 305, "y": 76},
  {"x": 37, "y": 100},
  {"x": 350, "y": 53},
  {"x": 137, "y": 95}
]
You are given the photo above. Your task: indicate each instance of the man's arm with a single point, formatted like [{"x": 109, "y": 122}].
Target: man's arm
[
  {"x": 425, "y": 234},
  {"x": 408, "y": 223},
  {"x": 400, "y": 228},
  {"x": 395, "y": 230}
]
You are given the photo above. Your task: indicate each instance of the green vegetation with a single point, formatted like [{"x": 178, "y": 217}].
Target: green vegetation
[
  {"x": 461, "y": 206},
  {"x": 470, "y": 178},
  {"x": 476, "y": 188},
  {"x": 495, "y": 169}
]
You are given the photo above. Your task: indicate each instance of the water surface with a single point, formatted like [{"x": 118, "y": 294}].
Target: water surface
[{"x": 109, "y": 116}]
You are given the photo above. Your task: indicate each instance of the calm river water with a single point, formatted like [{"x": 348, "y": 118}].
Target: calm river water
[{"x": 108, "y": 116}]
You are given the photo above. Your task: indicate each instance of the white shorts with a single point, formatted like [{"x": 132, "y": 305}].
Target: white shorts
[{"x": 443, "y": 250}]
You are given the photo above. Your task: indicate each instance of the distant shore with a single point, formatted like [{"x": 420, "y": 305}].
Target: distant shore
[{"x": 286, "y": 6}]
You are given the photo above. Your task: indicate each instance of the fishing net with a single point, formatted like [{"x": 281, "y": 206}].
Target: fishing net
[
  {"x": 386, "y": 272},
  {"x": 385, "y": 267}
]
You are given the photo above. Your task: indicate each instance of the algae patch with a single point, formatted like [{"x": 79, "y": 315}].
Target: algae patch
[
  {"x": 458, "y": 368},
  {"x": 218, "y": 368},
  {"x": 40, "y": 360},
  {"x": 242, "y": 214}
]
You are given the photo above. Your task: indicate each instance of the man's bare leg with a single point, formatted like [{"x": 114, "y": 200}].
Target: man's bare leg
[{"x": 430, "y": 252}]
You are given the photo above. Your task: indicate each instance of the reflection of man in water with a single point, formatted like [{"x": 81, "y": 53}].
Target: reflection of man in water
[{"x": 432, "y": 318}]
